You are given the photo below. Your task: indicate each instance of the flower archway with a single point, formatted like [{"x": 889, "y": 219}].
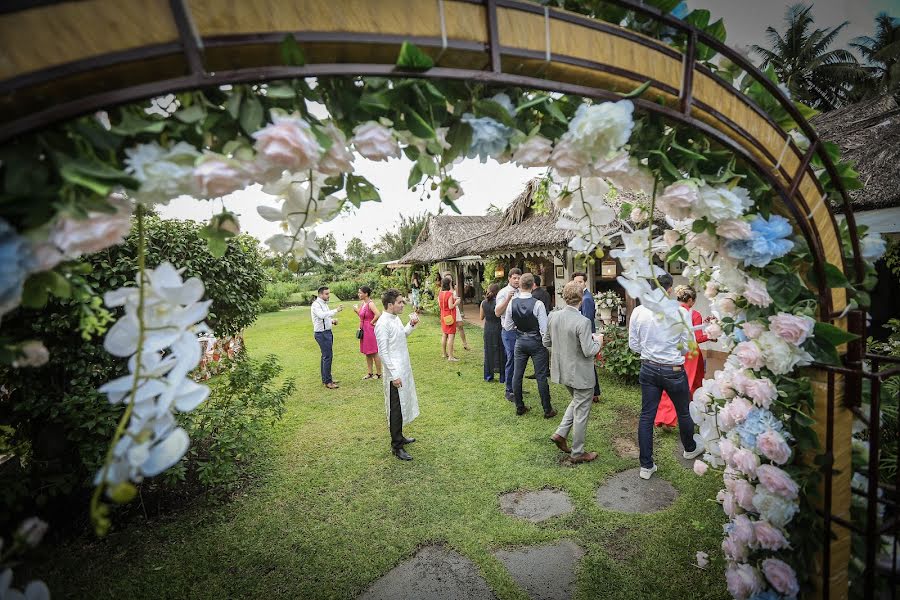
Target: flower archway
[{"x": 752, "y": 223}]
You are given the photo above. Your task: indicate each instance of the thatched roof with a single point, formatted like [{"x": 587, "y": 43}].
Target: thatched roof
[
  {"x": 449, "y": 236},
  {"x": 869, "y": 135}
]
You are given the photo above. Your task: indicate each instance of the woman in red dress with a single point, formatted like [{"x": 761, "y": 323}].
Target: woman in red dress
[
  {"x": 694, "y": 365},
  {"x": 368, "y": 313},
  {"x": 447, "y": 302}
]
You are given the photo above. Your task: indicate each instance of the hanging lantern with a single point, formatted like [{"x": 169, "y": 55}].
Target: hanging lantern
[
  {"x": 499, "y": 272},
  {"x": 608, "y": 269}
]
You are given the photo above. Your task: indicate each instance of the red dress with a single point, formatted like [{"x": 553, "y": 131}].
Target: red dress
[
  {"x": 444, "y": 302},
  {"x": 694, "y": 368}
]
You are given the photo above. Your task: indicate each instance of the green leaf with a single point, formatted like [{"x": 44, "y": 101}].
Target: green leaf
[
  {"x": 291, "y": 52},
  {"x": 460, "y": 138},
  {"x": 822, "y": 352},
  {"x": 717, "y": 30},
  {"x": 325, "y": 140},
  {"x": 687, "y": 151},
  {"x": 534, "y": 102},
  {"x": 360, "y": 189},
  {"x": 251, "y": 115},
  {"x": 427, "y": 165},
  {"x": 415, "y": 176},
  {"x": 375, "y": 102},
  {"x": 556, "y": 112},
  {"x": 834, "y": 278},
  {"x": 698, "y": 18},
  {"x": 411, "y": 57},
  {"x": 191, "y": 114},
  {"x": 832, "y": 335},
  {"x": 625, "y": 210},
  {"x": 784, "y": 288},
  {"x": 233, "y": 104},
  {"x": 417, "y": 125},
  {"x": 699, "y": 226},
  {"x": 131, "y": 124},
  {"x": 39, "y": 286},
  {"x": 280, "y": 92},
  {"x": 494, "y": 110},
  {"x": 638, "y": 91},
  {"x": 73, "y": 176},
  {"x": 667, "y": 164}
]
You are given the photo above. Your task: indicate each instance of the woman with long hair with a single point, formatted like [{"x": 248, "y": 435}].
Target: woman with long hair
[
  {"x": 447, "y": 302},
  {"x": 494, "y": 354},
  {"x": 694, "y": 365},
  {"x": 414, "y": 290},
  {"x": 368, "y": 313}
]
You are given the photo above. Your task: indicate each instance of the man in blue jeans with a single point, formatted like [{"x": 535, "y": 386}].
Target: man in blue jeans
[
  {"x": 323, "y": 320},
  {"x": 662, "y": 351},
  {"x": 503, "y": 310},
  {"x": 530, "y": 317}
]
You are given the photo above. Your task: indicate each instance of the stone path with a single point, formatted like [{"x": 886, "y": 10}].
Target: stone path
[
  {"x": 536, "y": 506},
  {"x": 679, "y": 456},
  {"x": 627, "y": 492},
  {"x": 544, "y": 572},
  {"x": 434, "y": 573}
]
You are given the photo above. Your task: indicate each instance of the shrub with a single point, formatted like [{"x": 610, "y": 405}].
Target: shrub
[
  {"x": 616, "y": 357},
  {"x": 301, "y": 298},
  {"x": 345, "y": 290},
  {"x": 52, "y": 420}
]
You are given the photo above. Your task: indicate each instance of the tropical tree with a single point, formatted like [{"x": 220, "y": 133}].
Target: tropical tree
[
  {"x": 398, "y": 242},
  {"x": 800, "y": 56},
  {"x": 881, "y": 53}
]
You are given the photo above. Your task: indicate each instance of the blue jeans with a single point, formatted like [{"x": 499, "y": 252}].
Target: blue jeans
[
  {"x": 509, "y": 345},
  {"x": 530, "y": 346},
  {"x": 325, "y": 339},
  {"x": 653, "y": 381}
]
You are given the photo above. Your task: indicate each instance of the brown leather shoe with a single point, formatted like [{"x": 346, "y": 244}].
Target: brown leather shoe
[
  {"x": 560, "y": 442},
  {"x": 332, "y": 386},
  {"x": 596, "y": 399},
  {"x": 583, "y": 458},
  {"x": 550, "y": 415}
]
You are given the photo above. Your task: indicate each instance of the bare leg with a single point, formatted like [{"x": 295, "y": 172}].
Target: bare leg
[
  {"x": 369, "y": 363},
  {"x": 451, "y": 337},
  {"x": 377, "y": 364},
  {"x": 444, "y": 345},
  {"x": 462, "y": 334}
]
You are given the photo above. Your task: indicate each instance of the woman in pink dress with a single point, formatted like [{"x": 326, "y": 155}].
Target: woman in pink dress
[{"x": 368, "y": 314}]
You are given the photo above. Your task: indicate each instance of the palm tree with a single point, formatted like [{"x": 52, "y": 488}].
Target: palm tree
[
  {"x": 801, "y": 58},
  {"x": 882, "y": 54},
  {"x": 397, "y": 243}
]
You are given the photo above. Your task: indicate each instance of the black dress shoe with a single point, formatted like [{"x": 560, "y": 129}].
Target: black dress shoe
[
  {"x": 401, "y": 454},
  {"x": 550, "y": 415},
  {"x": 407, "y": 440},
  {"x": 521, "y": 411},
  {"x": 511, "y": 397}
]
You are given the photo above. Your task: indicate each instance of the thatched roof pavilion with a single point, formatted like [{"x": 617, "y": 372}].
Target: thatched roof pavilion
[
  {"x": 868, "y": 134},
  {"x": 446, "y": 237}
]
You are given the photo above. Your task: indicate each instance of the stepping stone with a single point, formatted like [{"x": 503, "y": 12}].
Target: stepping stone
[
  {"x": 536, "y": 506},
  {"x": 627, "y": 492},
  {"x": 435, "y": 573},
  {"x": 626, "y": 448},
  {"x": 679, "y": 456},
  {"x": 544, "y": 572}
]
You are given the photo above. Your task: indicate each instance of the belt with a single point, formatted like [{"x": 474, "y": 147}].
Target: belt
[{"x": 664, "y": 366}]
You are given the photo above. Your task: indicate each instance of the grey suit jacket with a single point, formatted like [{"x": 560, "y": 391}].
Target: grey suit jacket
[{"x": 572, "y": 360}]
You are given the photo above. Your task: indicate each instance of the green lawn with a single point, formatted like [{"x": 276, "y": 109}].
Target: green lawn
[{"x": 333, "y": 510}]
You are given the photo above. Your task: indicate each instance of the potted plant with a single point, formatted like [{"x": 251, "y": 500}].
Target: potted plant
[{"x": 606, "y": 303}]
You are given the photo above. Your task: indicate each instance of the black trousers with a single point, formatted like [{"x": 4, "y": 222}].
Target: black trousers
[{"x": 395, "y": 419}]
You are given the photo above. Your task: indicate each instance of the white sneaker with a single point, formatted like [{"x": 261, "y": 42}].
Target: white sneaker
[
  {"x": 697, "y": 452},
  {"x": 646, "y": 473}
]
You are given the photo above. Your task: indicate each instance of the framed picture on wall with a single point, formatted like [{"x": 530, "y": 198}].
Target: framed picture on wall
[
  {"x": 560, "y": 272},
  {"x": 675, "y": 267}
]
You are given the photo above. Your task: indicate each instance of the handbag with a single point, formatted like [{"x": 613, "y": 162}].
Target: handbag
[
  {"x": 449, "y": 319},
  {"x": 359, "y": 333}
]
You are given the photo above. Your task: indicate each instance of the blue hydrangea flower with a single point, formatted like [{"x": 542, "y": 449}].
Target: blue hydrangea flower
[
  {"x": 759, "y": 420},
  {"x": 16, "y": 261},
  {"x": 489, "y": 137},
  {"x": 767, "y": 244}
]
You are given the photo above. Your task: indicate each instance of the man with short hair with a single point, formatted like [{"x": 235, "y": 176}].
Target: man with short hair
[
  {"x": 323, "y": 320},
  {"x": 662, "y": 352},
  {"x": 530, "y": 318},
  {"x": 589, "y": 310},
  {"x": 400, "y": 401},
  {"x": 541, "y": 293},
  {"x": 508, "y": 331},
  {"x": 572, "y": 365}
]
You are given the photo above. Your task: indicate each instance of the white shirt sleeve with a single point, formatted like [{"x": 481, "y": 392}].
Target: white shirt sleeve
[
  {"x": 540, "y": 312},
  {"x": 383, "y": 338},
  {"x": 634, "y": 341}
]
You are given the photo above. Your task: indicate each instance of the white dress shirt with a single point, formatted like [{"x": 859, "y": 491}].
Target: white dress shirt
[
  {"x": 656, "y": 342},
  {"x": 540, "y": 311},
  {"x": 506, "y": 318},
  {"x": 321, "y": 315}
]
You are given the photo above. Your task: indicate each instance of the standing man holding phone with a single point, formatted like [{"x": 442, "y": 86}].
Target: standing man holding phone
[{"x": 323, "y": 320}]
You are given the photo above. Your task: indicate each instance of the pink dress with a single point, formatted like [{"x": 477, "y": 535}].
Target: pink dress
[{"x": 367, "y": 345}]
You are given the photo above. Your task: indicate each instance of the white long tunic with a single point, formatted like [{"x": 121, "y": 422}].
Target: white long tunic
[{"x": 391, "y": 336}]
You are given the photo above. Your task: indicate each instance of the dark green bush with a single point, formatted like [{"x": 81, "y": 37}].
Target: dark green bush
[
  {"x": 345, "y": 290},
  {"x": 616, "y": 357}
]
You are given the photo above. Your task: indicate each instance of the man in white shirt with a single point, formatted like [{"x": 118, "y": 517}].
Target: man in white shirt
[
  {"x": 662, "y": 349},
  {"x": 508, "y": 331},
  {"x": 400, "y": 400},
  {"x": 530, "y": 318},
  {"x": 323, "y": 320}
]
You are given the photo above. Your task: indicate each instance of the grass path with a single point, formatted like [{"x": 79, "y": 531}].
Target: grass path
[{"x": 332, "y": 510}]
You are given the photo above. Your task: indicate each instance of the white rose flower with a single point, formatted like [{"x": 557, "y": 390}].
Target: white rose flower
[
  {"x": 781, "y": 357},
  {"x": 287, "y": 144},
  {"x": 375, "y": 141},
  {"x": 75, "y": 236},
  {"x": 602, "y": 129},
  {"x": 671, "y": 238},
  {"x": 533, "y": 152},
  {"x": 678, "y": 199},
  {"x": 338, "y": 159},
  {"x": 720, "y": 203},
  {"x": 757, "y": 294},
  {"x": 33, "y": 354},
  {"x": 567, "y": 159},
  {"x": 734, "y": 229},
  {"x": 218, "y": 176},
  {"x": 164, "y": 173},
  {"x": 625, "y": 173}
]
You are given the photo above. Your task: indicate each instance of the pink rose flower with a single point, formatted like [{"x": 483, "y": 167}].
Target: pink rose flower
[
  {"x": 743, "y": 492},
  {"x": 218, "y": 176},
  {"x": 533, "y": 152},
  {"x": 749, "y": 355},
  {"x": 77, "y": 236},
  {"x": 726, "y": 447},
  {"x": 702, "y": 559},
  {"x": 678, "y": 199},
  {"x": 753, "y": 329},
  {"x": 711, "y": 290},
  {"x": 769, "y": 537},
  {"x": 743, "y": 581},
  {"x": 375, "y": 141},
  {"x": 777, "y": 481},
  {"x": 781, "y": 576},
  {"x": 734, "y": 229},
  {"x": 794, "y": 329},
  {"x": 287, "y": 144},
  {"x": 338, "y": 159},
  {"x": 757, "y": 294},
  {"x": 671, "y": 238},
  {"x": 746, "y": 461},
  {"x": 733, "y": 413},
  {"x": 762, "y": 391},
  {"x": 773, "y": 446},
  {"x": 714, "y": 330},
  {"x": 700, "y": 467},
  {"x": 734, "y": 550},
  {"x": 567, "y": 159},
  {"x": 728, "y": 503},
  {"x": 638, "y": 215}
]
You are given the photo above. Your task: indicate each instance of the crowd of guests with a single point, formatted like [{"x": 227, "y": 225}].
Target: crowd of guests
[{"x": 562, "y": 346}]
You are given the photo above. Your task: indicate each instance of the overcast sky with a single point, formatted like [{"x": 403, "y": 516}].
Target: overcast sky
[{"x": 491, "y": 183}]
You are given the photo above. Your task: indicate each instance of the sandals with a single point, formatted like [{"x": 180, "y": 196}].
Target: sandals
[
  {"x": 453, "y": 359},
  {"x": 377, "y": 375},
  {"x": 369, "y": 376}
]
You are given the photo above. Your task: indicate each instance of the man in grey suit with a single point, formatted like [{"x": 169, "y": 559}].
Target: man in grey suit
[{"x": 572, "y": 365}]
